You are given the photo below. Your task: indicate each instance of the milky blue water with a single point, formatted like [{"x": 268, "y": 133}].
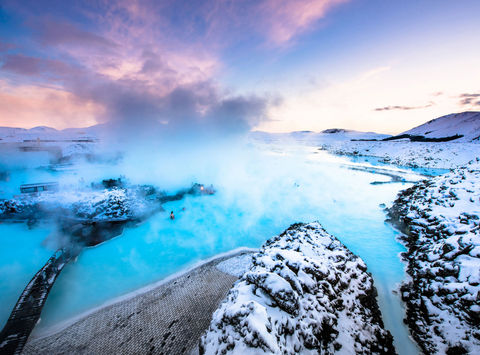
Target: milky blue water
[
  {"x": 378, "y": 162},
  {"x": 258, "y": 197}
]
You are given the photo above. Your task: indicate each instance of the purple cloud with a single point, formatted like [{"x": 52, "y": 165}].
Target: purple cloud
[
  {"x": 59, "y": 33},
  {"x": 36, "y": 67},
  {"x": 21, "y": 64},
  {"x": 468, "y": 99},
  {"x": 403, "y": 108},
  {"x": 146, "y": 74}
]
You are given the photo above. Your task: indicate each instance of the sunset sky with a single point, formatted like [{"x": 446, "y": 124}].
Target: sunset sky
[{"x": 275, "y": 65}]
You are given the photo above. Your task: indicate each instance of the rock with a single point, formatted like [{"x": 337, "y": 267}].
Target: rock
[
  {"x": 442, "y": 260},
  {"x": 305, "y": 293}
]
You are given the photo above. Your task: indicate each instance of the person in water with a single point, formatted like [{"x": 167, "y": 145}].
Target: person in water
[{"x": 172, "y": 216}]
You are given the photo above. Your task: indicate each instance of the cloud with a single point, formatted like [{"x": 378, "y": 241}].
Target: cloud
[
  {"x": 35, "y": 67},
  {"x": 469, "y": 99},
  {"x": 5, "y": 46},
  {"x": 403, "y": 108},
  {"x": 53, "y": 32},
  {"x": 147, "y": 67},
  {"x": 197, "y": 111},
  {"x": 21, "y": 64},
  {"x": 29, "y": 106},
  {"x": 285, "y": 19}
]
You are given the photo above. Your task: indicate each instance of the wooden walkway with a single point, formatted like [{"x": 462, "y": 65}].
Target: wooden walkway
[
  {"x": 29, "y": 306},
  {"x": 167, "y": 319}
]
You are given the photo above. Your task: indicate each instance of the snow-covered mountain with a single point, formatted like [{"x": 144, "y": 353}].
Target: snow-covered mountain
[
  {"x": 332, "y": 134},
  {"x": 43, "y": 133},
  {"x": 465, "y": 125}
]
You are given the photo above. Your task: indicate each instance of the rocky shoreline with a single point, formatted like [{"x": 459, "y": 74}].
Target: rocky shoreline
[
  {"x": 304, "y": 293},
  {"x": 441, "y": 225}
]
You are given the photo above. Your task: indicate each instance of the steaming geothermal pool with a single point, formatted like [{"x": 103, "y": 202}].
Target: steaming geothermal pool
[{"x": 259, "y": 194}]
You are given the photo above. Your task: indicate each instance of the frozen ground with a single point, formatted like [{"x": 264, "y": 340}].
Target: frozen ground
[
  {"x": 441, "y": 155},
  {"x": 305, "y": 293},
  {"x": 441, "y": 219}
]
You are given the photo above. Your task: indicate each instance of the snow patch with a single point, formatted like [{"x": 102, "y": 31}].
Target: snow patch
[{"x": 236, "y": 266}]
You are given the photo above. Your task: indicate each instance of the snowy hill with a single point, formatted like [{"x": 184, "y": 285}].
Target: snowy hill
[{"x": 466, "y": 125}]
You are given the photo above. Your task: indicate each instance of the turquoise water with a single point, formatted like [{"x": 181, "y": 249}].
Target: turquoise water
[
  {"x": 377, "y": 162},
  {"x": 259, "y": 195},
  {"x": 22, "y": 254}
]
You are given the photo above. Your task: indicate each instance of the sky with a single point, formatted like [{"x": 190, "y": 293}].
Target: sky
[{"x": 228, "y": 66}]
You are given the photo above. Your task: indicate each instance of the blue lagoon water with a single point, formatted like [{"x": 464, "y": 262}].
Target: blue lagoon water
[{"x": 257, "y": 197}]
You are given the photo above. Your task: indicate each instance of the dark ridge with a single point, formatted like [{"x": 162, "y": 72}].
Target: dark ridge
[
  {"x": 422, "y": 138},
  {"x": 364, "y": 140},
  {"x": 335, "y": 130}
]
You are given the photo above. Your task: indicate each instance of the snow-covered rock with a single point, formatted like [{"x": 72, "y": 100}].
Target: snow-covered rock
[
  {"x": 304, "y": 293},
  {"x": 465, "y": 125},
  {"x": 441, "y": 221},
  {"x": 107, "y": 204}
]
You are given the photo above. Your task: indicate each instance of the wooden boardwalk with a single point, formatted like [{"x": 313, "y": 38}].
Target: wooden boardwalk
[{"x": 29, "y": 306}]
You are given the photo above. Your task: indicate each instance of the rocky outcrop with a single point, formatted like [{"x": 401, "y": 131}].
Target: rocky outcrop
[
  {"x": 305, "y": 293},
  {"x": 441, "y": 221}
]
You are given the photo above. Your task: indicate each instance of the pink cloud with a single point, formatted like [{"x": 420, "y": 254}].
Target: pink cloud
[
  {"x": 30, "y": 106},
  {"x": 286, "y": 19},
  {"x": 140, "y": 58}
]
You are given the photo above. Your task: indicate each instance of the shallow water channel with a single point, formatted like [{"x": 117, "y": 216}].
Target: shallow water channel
[{"x": 257, "y": 197}]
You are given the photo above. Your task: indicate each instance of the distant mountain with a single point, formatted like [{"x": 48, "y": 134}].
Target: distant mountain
[
  {"x": 456, "y": 127},
  {"x": 43, "y": 133},
  {"x": 336, "y": 130},
  {"x": 331, "y": 134},
  {"x": 43, "y": 129}
]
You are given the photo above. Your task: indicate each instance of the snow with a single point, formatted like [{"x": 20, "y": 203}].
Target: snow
[
  {"x": 441, "y": 219},
  {"x": 260, "y": 192},
  {"x": 236, "y": 266},
  {"x": 304, "y": 293},
  {"x": 42, "y": 133},
  {"x": 124, "y": 203},
  {"x": 439, "y": 155},
  {"x": 466, "y": 124},
  {"x": 69, "y": 142},
  {"x": 401, "y": 152},
  {"x": 314, "y": 138}
]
